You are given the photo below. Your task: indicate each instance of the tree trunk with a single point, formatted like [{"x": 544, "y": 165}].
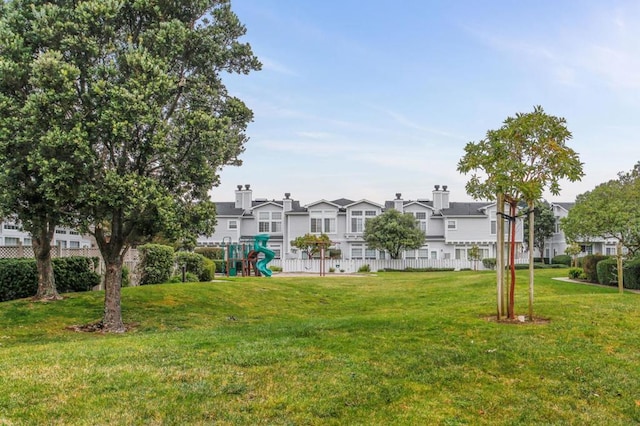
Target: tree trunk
[
  {"x": 41, "y": 243},
  {"x": 620, "y": 267},
  {"x": 512, "y": 260},
  {"x": 531, "y": 273},
  {"x": 500, "y": 255},
  {"x": 112, "y": 320}
]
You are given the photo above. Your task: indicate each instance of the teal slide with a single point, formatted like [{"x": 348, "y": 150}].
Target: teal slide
[{"x": 260, "y": 245}]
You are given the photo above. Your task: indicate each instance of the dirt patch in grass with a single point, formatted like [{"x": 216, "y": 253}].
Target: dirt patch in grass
[
  {"x": 98, "y": 327},
  {"x": 519, "y": 320}
]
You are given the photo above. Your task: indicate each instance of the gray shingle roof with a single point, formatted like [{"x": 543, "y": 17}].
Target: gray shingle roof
[
  {"x": 226, "y": 208},
  {"x": 464, "y": 209}
]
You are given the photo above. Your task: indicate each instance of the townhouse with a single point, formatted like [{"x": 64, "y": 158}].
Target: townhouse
[
  {"x": 12, "y": 234},
  {"x": 451, "y": 228}
]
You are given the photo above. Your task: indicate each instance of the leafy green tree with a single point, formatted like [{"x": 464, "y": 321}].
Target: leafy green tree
[
  {"x": 573, "y": 250},
  {"x": 610, "y": 211},
  {"x": 43, "y": 149},
  {"x": 311, "y": 243},
  {"x": 527, "y": 155},
  {"x": 393, "y": 232},
  {"x": 543, "y": 228},
  {"x": 474, "y": 254},
  {"x": 156, "y": 116}
]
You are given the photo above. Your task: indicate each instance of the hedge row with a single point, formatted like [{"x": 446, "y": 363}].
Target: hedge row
[
  {"x": 19, "y": 277},
  {"x": 159, "y": 264}
]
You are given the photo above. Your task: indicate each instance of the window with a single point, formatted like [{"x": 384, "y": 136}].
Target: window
[
  {"x": 610, "y": 251},
  {"x": 277, "y": 250},
  {"x": 461, "y": 254},
  {"x": 359, "y": 218},
  {"x": 494, "y": 223},
  {"x": 74, "y": 244},
  {"x": 74, "y": 233},
  {"x": 557, "y": 225},
  {"x": 421, "y": 217},
  {"x": 586, "y": 248},
  {"x": 270, "y": 222},
  {"x": 423, "y": 254},
  {"x": 434, "y": 255},
  {"x": 61, "y": 243},
  {"x": 452, "y": 225},
  {"x": 232, "y": 224},
  {"x": 61, "y": 231},
  {"x": 323, "y": 222},
  {"x": 11, "y": 226},
  {"x": 356, "y": 252},
  {"x": 27, "y": 241},
  {"x": 369, "y": 253},
  {"x": 11, "y": 241}
]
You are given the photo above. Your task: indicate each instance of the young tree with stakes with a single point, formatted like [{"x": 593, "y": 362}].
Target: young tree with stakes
[{"x": 529, "y": 154}]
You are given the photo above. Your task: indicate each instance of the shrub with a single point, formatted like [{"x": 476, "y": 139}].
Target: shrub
[
  {"x": 19, "y": 277},
  {"x": 156, "y": 263},
  {"x": 213, "y": 253},
  {"x": 332, "y": 269},
  {"x": 74, "y": 274},
  {"x": 193, "y": 262},
  {"x": 209, "y": 270},
  {"x": 126, "y": 277},
  {"x": 589, "y": 264},
  {"x": 575, "y": 273},
  {"x": 563, "y": 259},
  {"x": 364, "y": 268},
  {"x": 631, "y": 273},
  {"x": 275, "y": 268},
  {"x": 607, "y": 271},
  {"x": 489, "y": 262}
]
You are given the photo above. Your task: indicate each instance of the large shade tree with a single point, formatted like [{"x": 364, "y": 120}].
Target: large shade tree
[
  {"x": 43, "y": 149},
  {"x": 521, "y": 160},
  {"x": 610, "y": 211},
  {"x": 156, "y": 115},
  {"x": 394, "y": 232}
]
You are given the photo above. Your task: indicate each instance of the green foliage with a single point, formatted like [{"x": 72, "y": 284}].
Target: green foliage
[
  {"x": 209, "y": 270},
  {"x": 194, "y": 264},
  {"x": 364, "y": 268},
  {"x": 543, "y": 228},
  {"x": 489, "y": 262},
  {"x": 522, "y": 266},
  {"x": 610, "y": 211},
  {"x": 563, "y": 259},
  {"x": 311, "y": 243},
  {"x": 632, "y": 274},
  {"x": 576, "y": 273},
  {"x": 607, "y": 271},
  {"x": 393, "y": 232},
  {"x": 589, "y": 265},
  {"x": 214, "y": 253},
  {"x": 417, "y": 270},
  {"x": 156, "y": 263},
  {"x": 74, "y": 274},
  {"x": 275, "y": 268},
  {"x": 126, "y": 276},
  {"x": 19, "y": 277}
]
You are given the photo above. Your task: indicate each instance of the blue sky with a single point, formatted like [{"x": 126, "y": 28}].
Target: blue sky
[{"x": 366, "y": 98}]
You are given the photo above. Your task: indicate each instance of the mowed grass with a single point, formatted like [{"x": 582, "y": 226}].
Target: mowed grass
[{"x": 396, "y": 348}]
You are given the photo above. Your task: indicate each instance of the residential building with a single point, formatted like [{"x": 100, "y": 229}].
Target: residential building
[
  {"x": 12, "y": 234},
  {"x": 451, "y": 228}
]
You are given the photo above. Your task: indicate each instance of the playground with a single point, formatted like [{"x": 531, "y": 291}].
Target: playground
[{"x": 244, "y": 258}]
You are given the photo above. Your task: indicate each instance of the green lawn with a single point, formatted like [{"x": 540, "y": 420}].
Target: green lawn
[{"x": 397, "y": 348}]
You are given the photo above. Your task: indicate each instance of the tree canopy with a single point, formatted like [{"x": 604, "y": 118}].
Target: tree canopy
[
  {"x": 311, "y": 243},
  {"x": 393, "y": 232},
  {"x": 157, "y": 122},
  {"x": 610, "y": 211}
]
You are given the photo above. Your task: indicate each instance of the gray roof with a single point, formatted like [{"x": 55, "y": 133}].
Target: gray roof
[
  {"x": 566, "y": 206},
  {"x": 464, "y": 209},
  {"x": 226, "y": 208},
  {"x": 343, "y": 202},
  {"x": 390, "y": 204}
]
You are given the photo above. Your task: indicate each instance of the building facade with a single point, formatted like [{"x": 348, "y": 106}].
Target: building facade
[
  {"x": 12, "y": 234},
  {"x": 451, "y": 228}
]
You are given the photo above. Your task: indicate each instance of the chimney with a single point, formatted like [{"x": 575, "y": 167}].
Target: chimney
[
  {"x": 437, "y": 199},
  {"x": 445, "y": 197},
  {"x": 243, "y": 197},
  {"x": 398, "y": 204},
  {"x": 287, "y": 202}
]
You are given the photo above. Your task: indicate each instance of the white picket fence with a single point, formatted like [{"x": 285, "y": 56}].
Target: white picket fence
[{"x": 350, "y": 266}]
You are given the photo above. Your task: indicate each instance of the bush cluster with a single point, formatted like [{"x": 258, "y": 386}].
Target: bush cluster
[
  {"x": 589, "y": 265},
  {"x": 159, "y": 264},
  {"x": 364, "y": 268},
  {"x": 607, "y": 271},
  {"x": 19, "y": 277},
  {"x": 415, "y": 270},
  {"x": 631, "y": 273},
  {"x": 563, "y": 259},
  {"x": 216, "y": 254},
  {"x": 489, "y": 262}
]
